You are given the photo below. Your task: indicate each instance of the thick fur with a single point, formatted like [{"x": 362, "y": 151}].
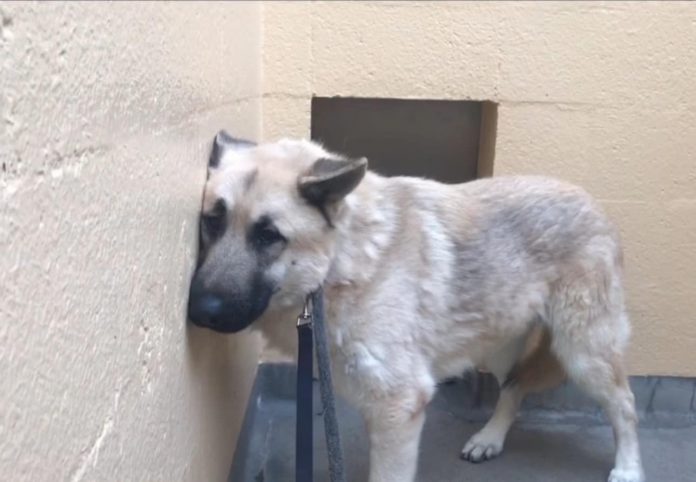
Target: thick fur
[{"x": 424, "y": 281}]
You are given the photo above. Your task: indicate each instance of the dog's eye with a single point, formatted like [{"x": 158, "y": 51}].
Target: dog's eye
[
  {"x": 265, "y": 234},
  {"x": 268, "y": 235},
  {"x": 213, "y": 224}
]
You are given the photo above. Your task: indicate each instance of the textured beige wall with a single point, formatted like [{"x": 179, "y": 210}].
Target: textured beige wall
[
  {"x": 601, "y": 94},
  {"x": 106, "y": 116}
]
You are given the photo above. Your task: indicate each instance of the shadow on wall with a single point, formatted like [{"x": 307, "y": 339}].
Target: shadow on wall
[{"x": 222, "y": 368}]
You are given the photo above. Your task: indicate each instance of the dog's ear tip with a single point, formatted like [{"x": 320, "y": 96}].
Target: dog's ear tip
[
  {"x": 223, "y": 137},
  {"x": 224, "y": 141},
  {"x": 330, "y": 180}
]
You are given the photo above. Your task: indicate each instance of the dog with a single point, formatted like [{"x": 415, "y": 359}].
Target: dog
[{"x": 422, "y": 281}]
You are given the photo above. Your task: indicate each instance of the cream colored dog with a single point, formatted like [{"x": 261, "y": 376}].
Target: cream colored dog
[{"x": 422, "y": 282}]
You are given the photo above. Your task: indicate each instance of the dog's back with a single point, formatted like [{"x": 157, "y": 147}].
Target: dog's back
[{"x": 494, "y": 255}]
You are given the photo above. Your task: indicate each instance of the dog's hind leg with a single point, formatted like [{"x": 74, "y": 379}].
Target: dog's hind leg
[
  {"x": 602, "y": 376},
  {"x": 488, "y": 442},
  {"x": 537, "y": 370},
  {"x": 589, "y": 332}
]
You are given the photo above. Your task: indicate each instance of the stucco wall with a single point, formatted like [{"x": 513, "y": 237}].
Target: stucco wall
[
  {"x": 106, "y": 117},
  {"x": 601, "y": 94}
]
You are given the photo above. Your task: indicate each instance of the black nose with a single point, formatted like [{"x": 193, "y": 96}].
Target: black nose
[
  {"x": 203, "y": 307},
  {"x": 227, "y": 309},
  {"x": 206, "y": 308}
]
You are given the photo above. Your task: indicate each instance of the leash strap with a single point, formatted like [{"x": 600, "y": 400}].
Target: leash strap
[
  {"x": 309, "y": 324},
  {"x": 333, "y": 439},
  {"x": 304, "y": 430}
]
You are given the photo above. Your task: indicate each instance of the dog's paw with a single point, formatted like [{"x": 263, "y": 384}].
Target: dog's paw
[
  {"x": 626, "y": 475},
  {"x": 482, "y": 447}
]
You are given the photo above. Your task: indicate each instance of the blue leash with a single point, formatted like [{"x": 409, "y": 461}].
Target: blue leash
[{"x": 310, "y": 325}]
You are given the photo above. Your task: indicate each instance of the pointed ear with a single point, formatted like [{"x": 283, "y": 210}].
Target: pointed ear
[
  {"x": 330, "y": 180},
  {"x": 223, "y": 142}
]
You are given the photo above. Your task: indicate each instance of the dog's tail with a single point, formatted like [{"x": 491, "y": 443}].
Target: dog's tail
[{"x": 538, "y": 369}]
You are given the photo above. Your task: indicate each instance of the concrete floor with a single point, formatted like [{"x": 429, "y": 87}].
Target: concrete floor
[{"x": 538, "y": 448}]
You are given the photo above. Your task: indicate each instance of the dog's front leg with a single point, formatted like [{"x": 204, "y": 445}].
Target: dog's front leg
[{"x": 394, "y": 426}]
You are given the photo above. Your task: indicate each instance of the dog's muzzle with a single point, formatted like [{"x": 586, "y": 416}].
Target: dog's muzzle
[{"x": 226, "y": 312}]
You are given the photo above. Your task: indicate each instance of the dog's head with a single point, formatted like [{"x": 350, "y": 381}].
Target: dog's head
[{"x": 266, "y": 228}]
